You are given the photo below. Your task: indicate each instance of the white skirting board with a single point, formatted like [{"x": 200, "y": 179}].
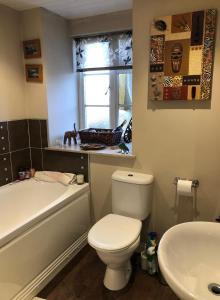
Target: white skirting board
[{"x": 39, "y": 282}]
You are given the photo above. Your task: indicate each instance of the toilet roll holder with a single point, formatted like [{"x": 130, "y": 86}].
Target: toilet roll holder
[
  {"x": 195, "y": 185},
  {"x": 195, "y": 182}
]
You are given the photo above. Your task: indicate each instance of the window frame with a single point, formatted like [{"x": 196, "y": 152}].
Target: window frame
[
  {"x": 114, "y": 105},
  {"x": 123, "y": 71}
]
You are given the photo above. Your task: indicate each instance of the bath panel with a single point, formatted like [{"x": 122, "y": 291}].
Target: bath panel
[{"x": 36, "y": 243}]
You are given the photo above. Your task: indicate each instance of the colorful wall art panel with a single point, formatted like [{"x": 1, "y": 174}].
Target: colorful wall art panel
[{"x": 182, "y": 56}]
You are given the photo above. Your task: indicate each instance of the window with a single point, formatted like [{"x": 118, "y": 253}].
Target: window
[{"x": 105, "y": 80}]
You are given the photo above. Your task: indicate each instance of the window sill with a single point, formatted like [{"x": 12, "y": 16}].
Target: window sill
[{"x": 109, "y": 151}]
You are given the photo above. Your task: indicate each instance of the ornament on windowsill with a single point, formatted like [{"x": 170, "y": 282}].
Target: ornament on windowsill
[
  {"x": 69, "y": 135},
  {"x": 124, "y": 149},
  {"x": 128, "y": 133}
]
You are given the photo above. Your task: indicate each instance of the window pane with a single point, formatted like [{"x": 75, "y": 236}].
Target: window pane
[
  {"x": 124, "y": 114},
  {"x": 96, "y": 89},
  {"x": 125, "y": 89},
  {"x": 97, "y": 117}
]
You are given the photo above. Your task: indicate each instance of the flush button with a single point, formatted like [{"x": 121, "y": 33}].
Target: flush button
[{"x": 130, "y": 175}]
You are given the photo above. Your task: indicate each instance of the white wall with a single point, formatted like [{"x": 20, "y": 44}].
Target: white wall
[
  {"x": 35, "y": 93},
  {"x": 112, "y": 22},
  {"x": 12, "y": 105},
  {"x": 169, "y": 139},
  {"x": 60, "y": 79},
  {"x": 56, "y": 97},
  {"x": 175, "y": 139},
  {"x": 101, "y": 169}
]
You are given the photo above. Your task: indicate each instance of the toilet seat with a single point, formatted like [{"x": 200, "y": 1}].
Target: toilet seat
[{"x": 114, "y": 232}]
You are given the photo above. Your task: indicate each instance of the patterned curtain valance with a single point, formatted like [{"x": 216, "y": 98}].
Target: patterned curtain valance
[{"x": 109, "y": 51}]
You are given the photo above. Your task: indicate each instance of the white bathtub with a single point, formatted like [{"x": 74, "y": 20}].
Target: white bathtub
[{"x": 42, "y": 226}]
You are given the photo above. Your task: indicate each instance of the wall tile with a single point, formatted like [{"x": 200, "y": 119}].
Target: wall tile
[
  {"x": 18, "y": 135},
  {"x": 37, "y": 159},
  {"x": 66, "y": 162},
  {"x": 5, "y": 169},
  {"x": 4, "y": 143},
  {"x": 44, "y": 139},
  {"x": 20, "y": 159},
  {"x": 35, "y": 134},
  {"x": 25, "y": 149}
]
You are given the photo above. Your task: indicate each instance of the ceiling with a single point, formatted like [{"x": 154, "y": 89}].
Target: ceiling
[{"x": 72, "y": 9}]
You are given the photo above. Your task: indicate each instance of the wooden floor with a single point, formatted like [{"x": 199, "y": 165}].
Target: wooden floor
[{"x": 82, "y": 279}]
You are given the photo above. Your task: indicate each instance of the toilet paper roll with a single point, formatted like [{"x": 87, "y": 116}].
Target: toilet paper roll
[{"x": 184, "y": 187}]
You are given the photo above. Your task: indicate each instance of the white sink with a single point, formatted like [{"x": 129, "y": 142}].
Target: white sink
[{"x": 189, "y": 258}]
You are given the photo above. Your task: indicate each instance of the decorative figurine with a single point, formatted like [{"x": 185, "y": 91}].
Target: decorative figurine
[
  {"x": 124, "y": 149},
  {"x": 70, "y": 135}
]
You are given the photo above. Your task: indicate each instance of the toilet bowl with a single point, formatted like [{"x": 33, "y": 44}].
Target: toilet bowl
[
  {"x": 116, "y": 236},
  {"x": 118, "y": 270},
  {"x": 115, "y": 239}
]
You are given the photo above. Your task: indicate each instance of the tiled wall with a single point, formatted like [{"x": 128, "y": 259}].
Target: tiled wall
[
  {"x": 14, "y": 149},
  {"x": 38, "y": 141},
  {"x": 22, "y": 144},
  {"x": 66, "y": 162},
  {"x": 53, "y": 160}
]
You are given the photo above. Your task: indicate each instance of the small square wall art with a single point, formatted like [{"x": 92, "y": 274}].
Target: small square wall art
[
  {"x": 32, "y": 49},
  {"x": 182, "y": 56},
  {"x": 34, "y": 73}
]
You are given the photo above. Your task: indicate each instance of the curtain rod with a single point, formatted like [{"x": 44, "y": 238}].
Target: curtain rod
[{"x": 100, "y": 34}]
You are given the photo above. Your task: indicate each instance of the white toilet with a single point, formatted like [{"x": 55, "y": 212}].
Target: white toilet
[{"x": 116, "y": 236}]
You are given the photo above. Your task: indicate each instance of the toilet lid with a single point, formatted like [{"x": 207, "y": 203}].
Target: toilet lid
[{"x": 114, "y": 232}]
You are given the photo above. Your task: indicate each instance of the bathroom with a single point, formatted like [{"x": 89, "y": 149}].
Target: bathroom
[{"x": 170, "y": 139}]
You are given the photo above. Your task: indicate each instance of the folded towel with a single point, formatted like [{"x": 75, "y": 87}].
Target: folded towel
[
  {"x": 41, "y": 176},
  {"x": 65, "y": 179},
  {"x": 49, "y": 176}
]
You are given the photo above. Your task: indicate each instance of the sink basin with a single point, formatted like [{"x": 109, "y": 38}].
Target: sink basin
[{"x": 189, "y": 259}]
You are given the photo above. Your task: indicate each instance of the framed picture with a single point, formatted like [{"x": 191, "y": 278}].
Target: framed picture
[
  {"x": 182, "y": 56},
  {"x": 32, "y": 49},
  {"x": 34, "y": 73}
]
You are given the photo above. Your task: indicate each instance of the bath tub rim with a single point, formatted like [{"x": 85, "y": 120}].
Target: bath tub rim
[{"x": 68, "y": 196}]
